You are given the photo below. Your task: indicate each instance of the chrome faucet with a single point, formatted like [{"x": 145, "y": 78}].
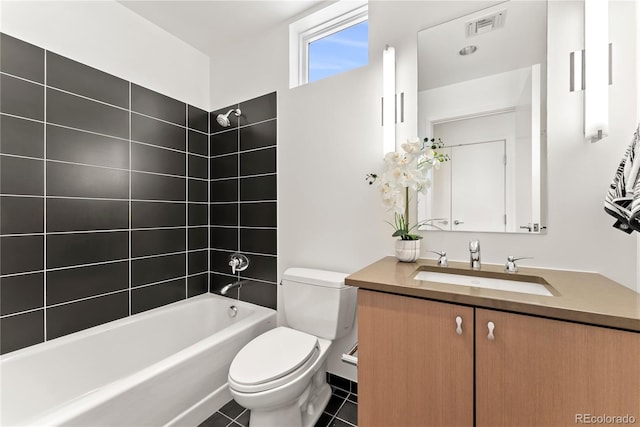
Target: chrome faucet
[
  {"x": 238, "y": 262},
  {"x": 474, "y": 251},
  {"x": 230, "y": 286}
]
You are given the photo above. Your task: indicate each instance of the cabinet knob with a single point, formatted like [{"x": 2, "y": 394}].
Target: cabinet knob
[
  {"x": 459, "y": 325},
  {"x": 491, "y": 326}
]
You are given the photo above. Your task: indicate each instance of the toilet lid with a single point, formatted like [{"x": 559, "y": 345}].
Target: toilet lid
[{"x": 272, "y": 355}]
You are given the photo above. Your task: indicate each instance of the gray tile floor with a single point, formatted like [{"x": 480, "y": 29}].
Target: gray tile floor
[{"x": 341, "y": 411}]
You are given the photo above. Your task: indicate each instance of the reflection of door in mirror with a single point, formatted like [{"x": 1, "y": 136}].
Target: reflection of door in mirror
[{"x": 493, "y": 92}]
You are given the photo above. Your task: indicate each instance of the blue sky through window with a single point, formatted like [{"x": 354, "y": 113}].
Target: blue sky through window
[{"x": 339, "y": 52}]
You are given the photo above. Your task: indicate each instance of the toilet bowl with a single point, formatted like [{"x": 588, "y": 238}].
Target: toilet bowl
[{"x": 281, "y": 375}]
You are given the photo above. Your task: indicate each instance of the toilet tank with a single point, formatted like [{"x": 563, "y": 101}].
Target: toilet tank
[{"x": 318, "y": 302}]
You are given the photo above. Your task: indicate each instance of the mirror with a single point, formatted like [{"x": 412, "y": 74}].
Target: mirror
[{"x": 482, "y": 91}]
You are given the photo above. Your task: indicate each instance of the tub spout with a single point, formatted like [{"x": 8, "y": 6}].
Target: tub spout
[{"x": 230, "y": 286}]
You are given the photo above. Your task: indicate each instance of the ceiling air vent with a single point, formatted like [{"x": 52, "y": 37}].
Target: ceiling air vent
[{"x": 486, "y": 23}]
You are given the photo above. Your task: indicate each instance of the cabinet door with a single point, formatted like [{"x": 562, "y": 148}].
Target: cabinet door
[
  {"x": 540, "y": 372},
  {"x": 413, "y": 367}
]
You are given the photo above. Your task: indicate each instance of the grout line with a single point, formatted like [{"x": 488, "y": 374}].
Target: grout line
[
  {"x": 244, "y": 252},
  {"x": 99, "y": 198},
  {"x": 130, "y": 203},
  {"x": 230, "y": 129},
  {"x": 250, "y": 150},
  {"x": 208, "y": 202},
  {"x": 186, "y": 205},
  {"x": 44, "y": 201}
]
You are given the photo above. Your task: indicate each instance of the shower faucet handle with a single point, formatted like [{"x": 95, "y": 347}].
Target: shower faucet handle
[{"x": 238, "y": 262}]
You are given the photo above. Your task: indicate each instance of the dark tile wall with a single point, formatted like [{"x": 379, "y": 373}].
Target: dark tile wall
[
  {"x": 103, "y": 197},
  {"x": 244, "y": 199}
]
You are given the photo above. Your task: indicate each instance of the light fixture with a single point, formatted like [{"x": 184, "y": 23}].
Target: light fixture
[
  {"x": 467, "y": 50},
  {"x": 388, "y": 99},
  {"x": 591, "y": 69}
]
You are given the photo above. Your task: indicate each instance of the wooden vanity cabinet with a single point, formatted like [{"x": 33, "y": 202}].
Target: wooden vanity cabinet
[
  {"x": 415, "y": 370},
  {"x": 413, "y": 367},
  {"x": 542, "y": 372}
]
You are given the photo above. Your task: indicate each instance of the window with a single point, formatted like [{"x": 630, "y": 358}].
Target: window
[{"x": 328, "y": 42}]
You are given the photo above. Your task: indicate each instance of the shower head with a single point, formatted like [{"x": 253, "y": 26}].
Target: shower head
[{"x": 223, "y": 119}]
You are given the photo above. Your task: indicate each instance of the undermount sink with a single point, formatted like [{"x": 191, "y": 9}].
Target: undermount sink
[{"x": 524, "y": 284}]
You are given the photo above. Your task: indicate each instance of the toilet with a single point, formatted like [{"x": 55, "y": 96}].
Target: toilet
[{"x": 281, "y": 375}]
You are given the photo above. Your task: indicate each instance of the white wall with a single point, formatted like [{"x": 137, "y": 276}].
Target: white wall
[
  {"x": 108, "y": 36},
  {"x": 329, "y": 137}
]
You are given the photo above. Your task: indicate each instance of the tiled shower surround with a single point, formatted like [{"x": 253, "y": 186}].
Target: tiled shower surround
[{"x": 105, "y": 189}]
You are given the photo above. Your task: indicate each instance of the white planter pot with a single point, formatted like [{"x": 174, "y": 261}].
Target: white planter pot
[{"x": 407, "y": 250}]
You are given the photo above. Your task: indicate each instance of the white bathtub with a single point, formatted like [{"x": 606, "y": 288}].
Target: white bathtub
[{"x": 166, "y": 366}]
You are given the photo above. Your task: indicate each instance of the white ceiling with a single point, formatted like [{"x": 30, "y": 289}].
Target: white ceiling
[
  {"x": 522, "y": 42},
  {"x": 208, "y": 25}
]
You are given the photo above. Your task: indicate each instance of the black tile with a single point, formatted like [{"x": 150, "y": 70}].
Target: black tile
[
  {"x": 348, "y": 412},
  {"x": 197, "y": 285},
  {"x": 260, "y": 293},
  {"x": 68, "y": 318},
  {"x": 258, "y": 109},
  {"x": 82, "y": 282},
  {"x": 258, "y": 240},
  {"x": 220, "y": 260},
  {"x": 198, "y": 214},
  {"x": 21, "y": 176},
  {"x": 80, "y": 113},
  {"x": 224, "y": 214},
  {"x": 146, "y": 186},
  {"x": 88, "y": 148},
  {"x": 354, "y": 389},
  {"x": 258, "y": 136},
  {"x": 259, "y": 214},
  {"x": 21, "y": 293},
  {"x": 152, "y": 131},
  {"x": 224, "y": 167},
  {"x": 21, "y": 137},
  {"x": 155, "y": 242},
  {"x": 225, "y": 190},
  {"x": 224, "y": 238},
  {"x": 86, "y": 248},
  {"x": 21, "y": 98},
  {"x": 72, "y": 76},
  {"x": 86, "y": 214},
  {"x": 259, "y": 188},
  {"x": 152, "y": 159},
  {"x": 149, "y": 297},
  {"x": 258, "y": 162},
  {"x": 215, "y": 127},
  {"x": 21, "y": 58},
  {"x": 324, "y": 420},
  {"x": 335, "y": 402},
  {"x": 198, "y": 238},
  {"x": 157, "y": 214},
  {"x": 86, "y": 181},
  {"x": 353, "y": 398},
  {"x": 216, "y": 420},
  {"x": 198, "y": 262},
  {"x": 339, "y": 392},
  {"x": 198, "y": 167},
  {"x": 155, "y": 104},
  {"x": 340, "y": 382},
  {"x": 339, "y": 423},
  {"x": 232, "y": 409},
  {"x": 243, "y": 419},
  {"x": 262, "y": 267},
  {"x": 198, "y": 143},
  {"x": 21, "y": 215},
  {"x": 197, "y": 119},
  {"x": 21, "y": 254},
  {"x": 21, "y": 331},
  {"x": 157, "y": 269},
  {"x": 198, "y": 190},
  {"x": 218, "y": 281},
  {"x": 224, "y": 142}
]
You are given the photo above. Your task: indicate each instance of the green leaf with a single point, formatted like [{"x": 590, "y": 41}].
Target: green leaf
[{"x": 400, "y": 233}]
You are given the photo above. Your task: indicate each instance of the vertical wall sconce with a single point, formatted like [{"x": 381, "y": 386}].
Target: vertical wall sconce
[
  {"x": 591, "y": 69},
  {"x": 388, "y": 99}
]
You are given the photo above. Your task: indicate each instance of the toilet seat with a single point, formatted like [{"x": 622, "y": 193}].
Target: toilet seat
[{"x": 272, "y": 359}]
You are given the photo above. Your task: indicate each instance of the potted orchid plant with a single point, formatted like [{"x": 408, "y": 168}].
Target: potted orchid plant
[{"x": 406, "y": 172}]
